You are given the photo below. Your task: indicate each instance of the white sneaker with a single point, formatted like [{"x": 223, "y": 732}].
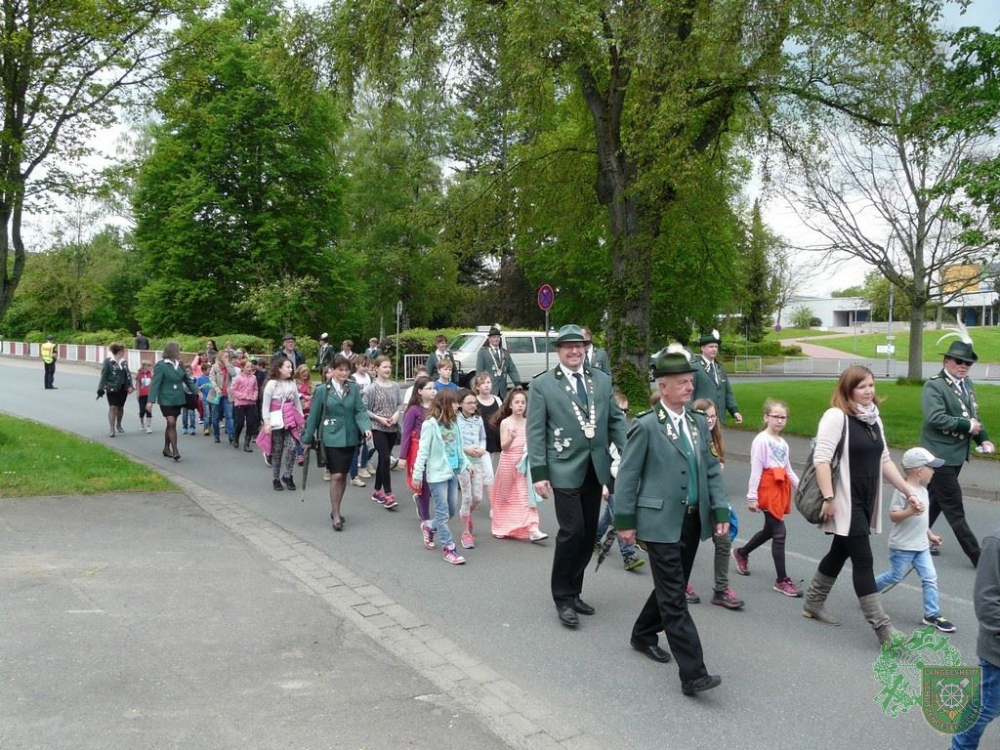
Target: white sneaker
[
  {"x": 364, "y": 474},
  {"x": 357, "y": 481},
  {"x": 149, "y": 430},
  {"x": 537, "y": 536},
  {"x": 326, "y": 475}
]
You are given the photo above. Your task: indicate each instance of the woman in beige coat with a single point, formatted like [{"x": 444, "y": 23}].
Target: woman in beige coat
[{"x": 852, "y": 507}]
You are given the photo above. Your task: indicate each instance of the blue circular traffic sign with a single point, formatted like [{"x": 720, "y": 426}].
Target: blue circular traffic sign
[{"x": 546, "y": 296}]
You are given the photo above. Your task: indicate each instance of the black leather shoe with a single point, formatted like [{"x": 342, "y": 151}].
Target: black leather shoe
[
  {"x": 277, "y": 486},
  {"x": 654, "y": 652},
  {"x": 709, "y": 681},
  {"x": 582, "y": 607},
  {"x": 567, "y": 616},
  {"x": 289, "y": 483}
]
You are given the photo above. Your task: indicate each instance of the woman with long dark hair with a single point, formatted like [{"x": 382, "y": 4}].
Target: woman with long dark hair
[
  {"x": 169, "y": 388},
  {"x": 852, "y": 508}
]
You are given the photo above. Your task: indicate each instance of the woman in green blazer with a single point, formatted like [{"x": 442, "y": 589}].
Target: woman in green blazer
[
  {"x": 339, "y": 416},
  {"x": 170, "y": 387}
]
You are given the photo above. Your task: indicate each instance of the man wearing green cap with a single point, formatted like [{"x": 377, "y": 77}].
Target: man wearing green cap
[
  {"x": 670, "y": 496},
  {"x": 495, "y": 360},
  {"x": 711, "y": 380},
  {"x": 572, "y": 421},
  {"x": 951, "y": 424}
]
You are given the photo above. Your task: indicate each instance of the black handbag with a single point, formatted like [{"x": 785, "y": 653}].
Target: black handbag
[{"x": 808, "y": 496}]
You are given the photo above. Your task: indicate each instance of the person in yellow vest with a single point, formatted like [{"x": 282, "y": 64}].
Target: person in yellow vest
[{"x": 49, "y": 356}]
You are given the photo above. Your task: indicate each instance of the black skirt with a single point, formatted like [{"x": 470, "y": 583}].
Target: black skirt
[
  {"x": 170, "y": 411},
  {"x": 117, "y": 398},
  {"x": 338, "y": 460}
]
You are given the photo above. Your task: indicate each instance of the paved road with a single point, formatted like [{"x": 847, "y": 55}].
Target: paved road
[{"x": 775, "y": 664}]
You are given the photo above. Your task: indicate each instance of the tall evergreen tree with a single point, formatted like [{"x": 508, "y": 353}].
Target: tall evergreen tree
[{"x": 242, "y": 187}]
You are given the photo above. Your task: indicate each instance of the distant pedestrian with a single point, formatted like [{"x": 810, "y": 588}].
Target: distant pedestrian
[
  {"x": 440, "y": 354},
  {"x": 384, "y": 402},
  {"x": 244, "y": 393},
  {"x": 480, "y": 467},
  {"x": 116, "y": 382},
  {"x": 374, "y": 351},
  {"x": 50, "y": 353},
  {"x": 495, "y": 360},
  {"x": 284, "y": 422},
  {"x": 324, "y": 357},
  {"x": 421, "y": 398},
  {"x": 141, "y": 342},
  {"x": 170, "y": 385},
  {"x": 772, "y": 480},
  {"x": 289, "y": 351},
  {"x": 711, "y": 380},
  {"x": 143, "y": 378},
  {"x": 594, "y": 356}
]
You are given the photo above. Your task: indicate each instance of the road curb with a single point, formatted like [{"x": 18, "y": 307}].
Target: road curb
[{"x": 515, "y": 716}]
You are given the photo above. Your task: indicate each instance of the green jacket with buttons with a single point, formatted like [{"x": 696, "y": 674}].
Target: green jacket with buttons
[
  {"x": 345, "y": 418},
  {"x": 948, "y": 416},
  {"x": 651, "y": 489}
]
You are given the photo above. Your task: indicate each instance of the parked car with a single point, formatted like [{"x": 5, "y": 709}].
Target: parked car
[{"x": 527, "y": 350}]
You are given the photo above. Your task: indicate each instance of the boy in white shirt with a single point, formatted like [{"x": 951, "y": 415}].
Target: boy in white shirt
[{"x": 911, "y": 537}]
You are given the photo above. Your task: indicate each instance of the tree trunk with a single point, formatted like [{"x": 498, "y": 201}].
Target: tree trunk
[{"x": 914, "y": 368}]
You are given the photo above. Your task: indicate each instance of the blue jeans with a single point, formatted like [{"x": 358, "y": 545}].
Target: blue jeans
[
  {"x": 190, "y": 418},
  {"x": 969, "y": 740},
  {"x": 360, "y": 451},
  {"x": 608, "y": 518},
  {"x": 901, "y": 560},
  {"x": 223, "y": 408},
  {"x": 445, "y": 497}
]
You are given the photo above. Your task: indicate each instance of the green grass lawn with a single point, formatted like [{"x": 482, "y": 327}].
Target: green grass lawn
[
  {"x": 986, "y": 342},
  {"x": 808, "y": 399},
  {"x": 791, "y": 333},
  {"x": 38, "y": 460}
]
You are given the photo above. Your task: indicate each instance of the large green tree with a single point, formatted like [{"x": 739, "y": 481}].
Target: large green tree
[
  {"x": 243, "y": 186},
  {"x": 64, "y": 67}
]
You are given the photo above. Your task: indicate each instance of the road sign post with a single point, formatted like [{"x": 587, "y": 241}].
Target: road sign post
[{"x": 546, "y": 296}]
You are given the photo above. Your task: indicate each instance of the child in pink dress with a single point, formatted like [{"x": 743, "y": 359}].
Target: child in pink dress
[{"x": 514, "y": 515}]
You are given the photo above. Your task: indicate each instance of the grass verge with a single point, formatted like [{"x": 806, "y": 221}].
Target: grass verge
[
  {"x": 986, "y": 342},
  {"x": 39, "y": 460},
  {"x": 808, "y": 399}
]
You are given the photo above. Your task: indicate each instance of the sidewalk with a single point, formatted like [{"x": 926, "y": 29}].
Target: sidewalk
[{"x": 140, "y": 621}]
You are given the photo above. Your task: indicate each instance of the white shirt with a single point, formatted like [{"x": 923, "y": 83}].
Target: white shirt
[{"x": 679, "y": 422}]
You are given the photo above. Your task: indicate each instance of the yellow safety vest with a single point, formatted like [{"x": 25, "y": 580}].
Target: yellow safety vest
[{"x": 48, "y": 352}]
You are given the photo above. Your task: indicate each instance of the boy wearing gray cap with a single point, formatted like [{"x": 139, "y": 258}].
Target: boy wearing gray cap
[{"x": 911, "y": 537}]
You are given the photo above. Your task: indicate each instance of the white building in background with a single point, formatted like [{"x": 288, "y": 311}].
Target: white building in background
[{"x": 833, "y": 312}]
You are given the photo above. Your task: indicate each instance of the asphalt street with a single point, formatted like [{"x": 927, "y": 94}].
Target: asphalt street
[{"x": 788, "y": 682}]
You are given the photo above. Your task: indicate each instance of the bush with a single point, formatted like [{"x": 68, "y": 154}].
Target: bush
[
  {"x": 815, "y": 322},
  {"x": 417, "y": 340},
  {"x": 802, "y": 317}
]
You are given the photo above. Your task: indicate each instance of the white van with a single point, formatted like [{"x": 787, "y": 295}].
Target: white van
[{"x": 527, "y": 350}]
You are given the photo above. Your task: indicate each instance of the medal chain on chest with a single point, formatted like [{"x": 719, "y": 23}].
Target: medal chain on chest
[
  {"x": 497, "y": 357},
  {"x": 589, "y": 425}
]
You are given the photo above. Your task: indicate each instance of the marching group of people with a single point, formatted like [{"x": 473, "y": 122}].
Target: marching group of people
[{"x": 570, "y": 442}]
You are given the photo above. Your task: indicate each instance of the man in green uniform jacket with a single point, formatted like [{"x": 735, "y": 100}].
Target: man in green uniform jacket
[
  {"x": 572, "y": 421},
  {"x": 670, "y": 495},
  {"x": 951, "y": 424},
  {"x": 494, "y": 360},
  {"x": 711, "y": 380}
]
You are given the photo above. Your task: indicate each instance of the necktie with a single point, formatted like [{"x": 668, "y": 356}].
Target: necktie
[
  {"x": 715, "y": 374},
  {"x": 581, "y": 391},
  {"x": 692, "y": 494},
  {"x": 965, "y": 391},
  {"x": 586, "y": 359}
]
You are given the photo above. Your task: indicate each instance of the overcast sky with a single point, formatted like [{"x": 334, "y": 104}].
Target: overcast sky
[{"x": 782, "y": 220}]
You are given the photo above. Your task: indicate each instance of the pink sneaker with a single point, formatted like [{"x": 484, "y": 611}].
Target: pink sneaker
[
  {"x": 742, "y": 562},
  {"x": 468, "y": 541},
  {"x": 786, "y": 587},
  {"x": 452, "y": 556},
  {"x": 379, "y": 497},
  {"x": 428, "y": 535},
  {"x": 691, "y": 595},
  {"x": 389, "y": 501}
]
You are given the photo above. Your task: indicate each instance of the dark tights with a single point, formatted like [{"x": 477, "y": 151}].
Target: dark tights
[
  {"x": 170, "y": 436},
  {"x": 858, "y": 550},
  {"x": 383, "y": 445},
  {"x": 775, "y": 531}
]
